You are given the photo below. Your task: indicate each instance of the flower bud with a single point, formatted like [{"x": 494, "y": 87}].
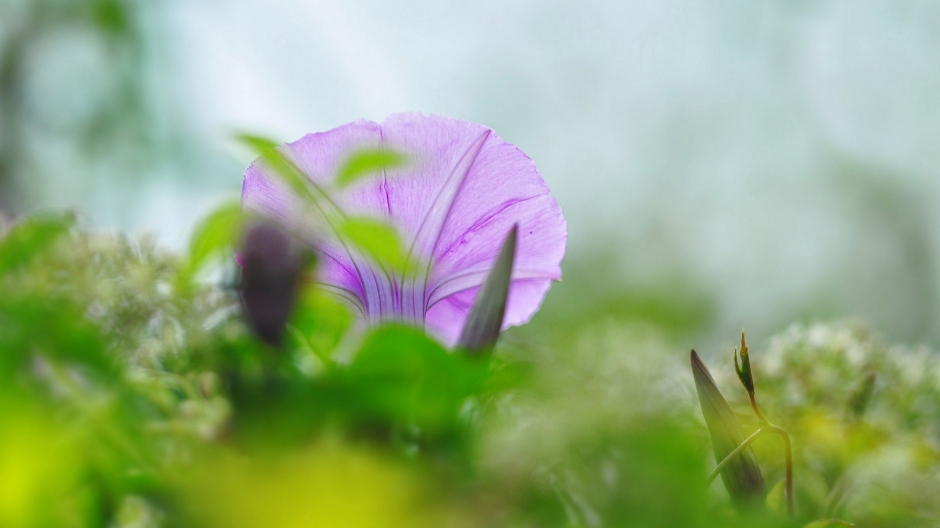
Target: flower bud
[
  {"x": 744, "y": 370},
  {"x": 271, "y": 263}
]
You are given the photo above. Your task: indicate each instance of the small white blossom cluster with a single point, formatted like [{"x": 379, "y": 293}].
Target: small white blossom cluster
[
  {"x": 864, "y": 417},
  {"x": 827, "y": 364}
]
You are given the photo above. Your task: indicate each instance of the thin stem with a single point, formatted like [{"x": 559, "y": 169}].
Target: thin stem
[
  {"x": 787, "y": 447},
  {"x": 747, "y": 379},
  {"x": 788, "y": 450},
  {"x": 788, "y": 478},
  {"x": 757, "y": 409},
  {"x": 727, "y": 460}
]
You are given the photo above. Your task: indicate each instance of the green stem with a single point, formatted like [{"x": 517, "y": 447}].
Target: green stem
[
  {"x": 788, "y": 451},
  {"x": 767, "y": 427},
  {"x": 727, "y": 460}
]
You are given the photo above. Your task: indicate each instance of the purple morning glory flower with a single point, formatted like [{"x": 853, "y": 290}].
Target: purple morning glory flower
[{"x": 453, "y": 204}]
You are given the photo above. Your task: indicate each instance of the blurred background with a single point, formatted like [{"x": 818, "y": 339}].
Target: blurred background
[{"x": 721, "y": 164}]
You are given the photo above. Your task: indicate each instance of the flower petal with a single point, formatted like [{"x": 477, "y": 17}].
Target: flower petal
[
  {"x": 460, "y": 192},
  {"x": 267, "y": 195},
  {"x": 499, "y": 187},
  {"x": 446, "y": 318}
]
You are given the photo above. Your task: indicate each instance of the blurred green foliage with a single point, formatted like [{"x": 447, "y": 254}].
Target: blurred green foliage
[
  {"x": 864, "y": 418},
  {"x": 368, "y": 161},
  {"x": 131, "y": 401}
]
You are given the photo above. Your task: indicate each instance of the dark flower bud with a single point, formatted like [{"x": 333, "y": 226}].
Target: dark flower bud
[{"x": 272, "y": 263}]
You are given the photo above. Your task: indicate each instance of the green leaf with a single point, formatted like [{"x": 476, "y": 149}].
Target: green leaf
[
  {"x": 56, "y": 328},
  {"x": 31, "y": 237},
  {"x": 776, "y": 499},
  {"x": 218, "y": 233},
  {"x": 257, "y": 143},
  {"x": 402, "y": 375},
  {"x": 742, "y": 477},
  {"x": 368, "y": 161},
  {"x": 486, "y": 317},
  {"x": 320, "y": 322},
  {"x": 376, "y": 239},
  {"x": 111, "y": 16},
  {"x": 278, "y": 163},
  {"x": 826, "y": 523}
]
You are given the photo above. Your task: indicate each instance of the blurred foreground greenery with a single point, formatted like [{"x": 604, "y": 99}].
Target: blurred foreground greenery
[{"x": 133, "y": 394}]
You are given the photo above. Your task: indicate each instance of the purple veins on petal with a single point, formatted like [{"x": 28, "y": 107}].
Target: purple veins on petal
[{"x": 461, "y": 190}]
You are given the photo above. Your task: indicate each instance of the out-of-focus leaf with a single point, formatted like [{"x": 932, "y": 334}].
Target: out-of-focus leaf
[
  {"x": 776, "y": 500},
  {"x": 320, "y": 322},
  {"x": 377, "y": 239},
  {"x": 51, "y": 327},
  {"x": 282, "y": 167},
  {"x": 742, "y": 476},
  {"x": 40, "y": 467},
  {"x": 402, "y": 375},
  {"x": 30, "y": 237},
  {"x": 486, "y": 317},
  {"x": 111, "y": 16},
  {"x": 331, "y": 484},
  {"x": 257, "y": 143},
  {"x": 368, "y": 161},
  {"x": 826, "y": 523},
  {"x": 219, "y": 232}
]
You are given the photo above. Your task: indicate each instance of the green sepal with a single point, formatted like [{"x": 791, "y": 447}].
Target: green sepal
[{"x": 744, "y": 370}]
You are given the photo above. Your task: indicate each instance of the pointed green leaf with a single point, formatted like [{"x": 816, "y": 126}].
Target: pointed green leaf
[
  {"x": 257, "y": 143},
  {"x": 742, "y": 477},
  {"x": 368, "y": 161},
  {"x": 217, "y": 233},
  {"x": 486, "y": 317},
  {"x": 376, "y": 239},
  {"x": 278, "y": 163}
]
